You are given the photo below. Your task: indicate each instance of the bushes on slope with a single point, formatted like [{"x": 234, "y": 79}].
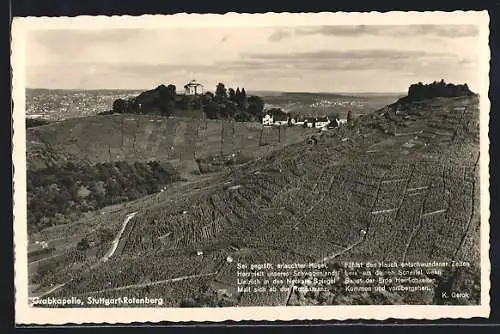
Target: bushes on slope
[{"x": 58, "y": 193}]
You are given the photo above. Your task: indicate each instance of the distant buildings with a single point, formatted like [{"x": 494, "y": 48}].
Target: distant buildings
[
  {"x": 275, "y": 116},
  {"x": 299, "y": 121},
  {"x": 268, "y": 120},
  {"x": 321, "y": 122},
  {"x": 280, "y": 118},
  {"x": 341, "y": 121},
  {"x": 193, "y": 88}
]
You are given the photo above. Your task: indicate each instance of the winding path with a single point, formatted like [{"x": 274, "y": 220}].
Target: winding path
[
  {"x": 110, "y": 253},
  {"x": 115, "y": 242}
]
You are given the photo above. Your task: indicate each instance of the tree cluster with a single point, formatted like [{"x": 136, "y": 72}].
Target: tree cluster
[
  {"x": 224, "y": 104},
  {"x": 161, "y": 100},
  {"x": 232, "y": 104},
  {"x": 277, "y": 113},
  {"x": 420, "y": 91},
  {"x": 58, "y": 193}
]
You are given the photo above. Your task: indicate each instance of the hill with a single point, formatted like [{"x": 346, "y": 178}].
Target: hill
[
  {"x": 163, "y": 100},
  {"x": 131, "y": 138},
  {"x": 400, "y": 184}
]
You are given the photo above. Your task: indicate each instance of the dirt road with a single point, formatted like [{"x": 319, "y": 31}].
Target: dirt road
[{"x": 115, "y": 242}]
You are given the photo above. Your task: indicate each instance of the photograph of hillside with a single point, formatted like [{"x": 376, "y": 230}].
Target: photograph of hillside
[{"x": 258, "y": 166}]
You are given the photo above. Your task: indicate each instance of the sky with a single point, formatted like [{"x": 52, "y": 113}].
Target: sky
[{"x": 355, "y": 58}]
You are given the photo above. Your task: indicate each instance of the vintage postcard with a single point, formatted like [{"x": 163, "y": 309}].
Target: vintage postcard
[{"x": 251, "y": 167}]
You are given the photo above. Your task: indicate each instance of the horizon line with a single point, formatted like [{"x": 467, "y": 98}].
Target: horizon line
[{"x": 256, "y": 90}]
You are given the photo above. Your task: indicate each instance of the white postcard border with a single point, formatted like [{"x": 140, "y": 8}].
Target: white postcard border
[{"x": 24, "y": 314}]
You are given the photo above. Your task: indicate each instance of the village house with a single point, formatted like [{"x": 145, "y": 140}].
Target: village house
[
  {"x": 341, "y": 121},
  {"x": 321, "y": 122},
  {"x": 299, "y": 120},
  {"x": 309, "y": 121},
  {"x": 193, "y": 88},
  {"x": 280, "y": 119},
  {"x": 305, "y": 121},
  {"x": 275, "y": 116},
  {"x": 267, "y": 120}
]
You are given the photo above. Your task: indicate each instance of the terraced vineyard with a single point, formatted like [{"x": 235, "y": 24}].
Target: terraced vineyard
[
  {"x": 133, "y": 138},
  {"x": 399, "y": 184}
]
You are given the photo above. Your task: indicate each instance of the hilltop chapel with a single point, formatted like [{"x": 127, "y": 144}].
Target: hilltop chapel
[{"x": 193, "y": 88}]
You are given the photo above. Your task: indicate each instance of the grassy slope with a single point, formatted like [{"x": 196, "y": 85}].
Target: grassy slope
[{"x": 306, "y": 201}]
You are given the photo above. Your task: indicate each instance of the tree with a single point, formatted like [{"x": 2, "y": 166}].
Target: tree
[
  {"x": 229, "y": 111},
  {"x": 184, "y": 102},
  {"x": 166, "y": 101},
  {"x": 133, "y": 107},
  {"x": 242, "y": 100},
  {"x": 232, "y": 94},
  {"x": 212, "y": 110},
  {"x": 243, "y": 116},
  {"x": 119, "y": 106},
  {"x": 349, "y": 117},
  {"x": 196, "y": 103},
  {"x": 207, "y": 98},
  {"x": 256, "y": 106},
  {"x": 172, "y": 90},
  {"x": 221, "y": 92}
]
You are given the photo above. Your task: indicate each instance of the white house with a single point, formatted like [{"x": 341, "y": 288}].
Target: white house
[
  {"x": 341, "y": 121},
  {"x": 298, "y": 120},
  {"x": 321, "y": 122},
  {"x": 270, "y": 119},
  {"x": 267, "y": 120},
  {"x": 193, "y": 88},
  {"x": 285, "y": 119}
]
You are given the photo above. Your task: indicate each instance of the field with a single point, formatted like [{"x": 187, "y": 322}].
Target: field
[{"x": 391, "y": 186}]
